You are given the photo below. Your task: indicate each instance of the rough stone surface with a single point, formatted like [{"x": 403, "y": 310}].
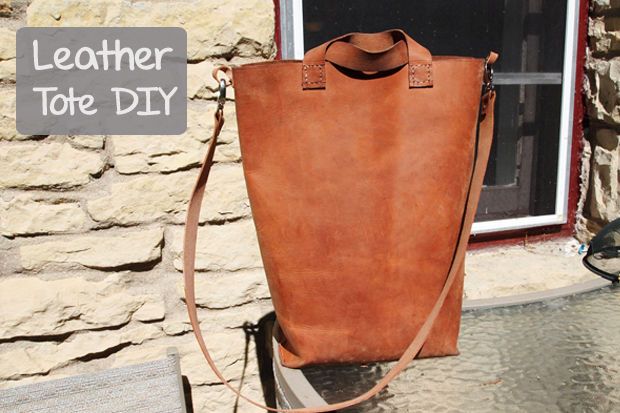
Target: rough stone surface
[
  {"x": 34, "y": 307},
  {"x": 228, "y": 153},
  {"x": 7, "y": 44},
  {"x": 25, "y": 215},
  {"x": 603, "y": 93},
  {"x": 200, "y": 82},
  {"x": 75, "y": 208},
  {"x": 176, "y": 328},
  {"x": 225, "y": 290},
  {"x": 47, "y": 165},
  {"x": 228, "y": 247},
  {"x": 7, "y": 114},
  {"x": 603, "y": 6},
  {"x": 237, "y": 27},
  {"x": 5, "y": 8},
  {"x": 140, "y": 154},
  {"x": 234, "y": 317},
  {"x": 8, "y": 70},
  {"x": 583, "y": 231},
  {"x": 114, "y": 250},
  {"x": 604, "y": 199},
  {"x": 151, "y": 197},
  {"x": 151, "y": 310},
  {"x": 135, "y": 154},
  {"x": 87, "y": 141},
  {"x": 604, "y": 34},
  {"x": 599, "y": 202},
  {"x": 44, "y": 357}
]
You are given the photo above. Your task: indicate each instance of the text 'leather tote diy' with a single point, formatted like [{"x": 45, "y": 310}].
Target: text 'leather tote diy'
[{"x": 364, "y": 164}]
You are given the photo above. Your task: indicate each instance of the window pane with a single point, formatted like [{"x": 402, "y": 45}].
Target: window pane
[
  {"x": 522, "y": 171},
  {"x": 529, "y": 35}
]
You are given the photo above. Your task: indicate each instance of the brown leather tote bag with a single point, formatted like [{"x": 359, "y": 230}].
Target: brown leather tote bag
[{"x": 364, "y": 164}]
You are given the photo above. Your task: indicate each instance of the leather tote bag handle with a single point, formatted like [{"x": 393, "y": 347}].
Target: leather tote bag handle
[
  {"x": 372, "y": 52},
  {"x": 481, "y": 149}
]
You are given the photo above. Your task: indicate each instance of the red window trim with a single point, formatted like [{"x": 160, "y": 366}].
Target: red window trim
[{"x": 545, "y": 232}]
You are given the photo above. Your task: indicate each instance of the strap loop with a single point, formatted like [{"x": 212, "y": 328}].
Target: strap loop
[{"x": 228, "y": 74}]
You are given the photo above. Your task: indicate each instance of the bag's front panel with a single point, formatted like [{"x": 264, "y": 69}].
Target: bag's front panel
[{"x": 357, "y": 194}]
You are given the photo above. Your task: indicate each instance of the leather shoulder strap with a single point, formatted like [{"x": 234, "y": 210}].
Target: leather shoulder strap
[{"x": 482, "y": 148}]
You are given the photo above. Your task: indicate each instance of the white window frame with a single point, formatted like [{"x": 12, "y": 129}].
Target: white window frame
[{"x": 292, "y": 45}]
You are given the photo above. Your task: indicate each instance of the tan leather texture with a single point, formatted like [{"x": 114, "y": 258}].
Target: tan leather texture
[
  {"x": 363, "y": 192},
  {"x": 357, "y": 192}
]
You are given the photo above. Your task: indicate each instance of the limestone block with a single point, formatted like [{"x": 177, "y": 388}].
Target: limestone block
[
  {"x": 226, "y": 196},
  {"x": 604, "y": 198},
  {"x": 586, "y": 229},
  {"x": 5, "y": 8},
  {"x": 214, "y": 28},
  {"x": 8, "y": 131},
  {"x": 227, "y": 247},
  {"x": 234, "y": 317},
  {"x": 606, "y": 138},
  {"x": 87, "y": 141},
  {"x": 7, "y": 53},
  {"x": 34, "y": 307},
  {"x": 603, "y": 96},
  {"x": 7, "y": 44},
  {"x": 27, "y": 215},
  {"x": 164, "y": 153},
  {"x": 229, "y": 289},
  {"x": 47, "y": 165},
  {"x": 228, "y": 153},
  {"x": 111, "y": 250},
  {"x": 43, "y": 357},
  {"x": 151, "y": 197},
  {"x": 139, "y": 154},
  {"x": 603, "y": 6},
  {"x": 604, "y": 33},
  {"x": 151, "y": 310},
  {"x": 176, "y": 328},
  {"x": 8, "y": 70},
  {"x": 200, "y": 82}
]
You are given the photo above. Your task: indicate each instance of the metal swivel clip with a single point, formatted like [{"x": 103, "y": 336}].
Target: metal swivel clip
[
  {"x": 221, "y": 99},
  {"x": 488, "y": 81}
]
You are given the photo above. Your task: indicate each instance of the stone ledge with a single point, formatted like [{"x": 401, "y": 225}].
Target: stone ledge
[{"x": 505, "y": 271}]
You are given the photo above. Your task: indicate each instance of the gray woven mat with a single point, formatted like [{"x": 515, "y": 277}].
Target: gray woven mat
[{"x": 153, "y": 387}]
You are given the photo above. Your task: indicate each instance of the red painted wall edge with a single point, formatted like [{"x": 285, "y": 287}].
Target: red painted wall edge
[{"x": 549, "y": 231}]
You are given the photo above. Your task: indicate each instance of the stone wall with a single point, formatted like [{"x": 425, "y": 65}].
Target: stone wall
[
  {"x": 91, "y": 226},
  {"x": 600, "y": 201}
]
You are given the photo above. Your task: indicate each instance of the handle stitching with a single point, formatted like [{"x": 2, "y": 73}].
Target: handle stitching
[
  {"x": 321, "y": 67},
  {"x": 412, "y": 71}
]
